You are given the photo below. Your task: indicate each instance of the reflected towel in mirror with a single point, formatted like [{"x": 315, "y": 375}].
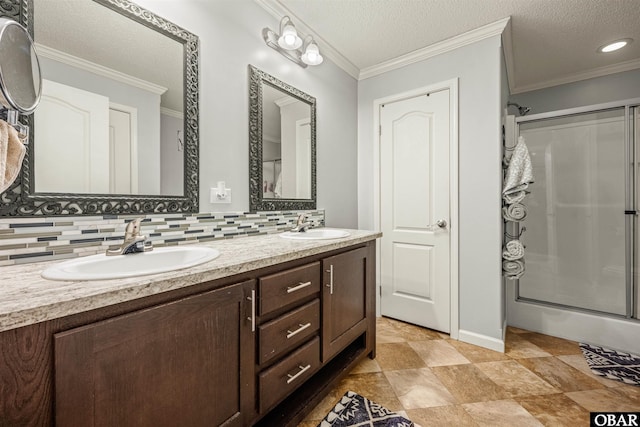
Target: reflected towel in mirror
[
  {"x": 278, "y": 189},
  {"x": 519, "y": 172},
  {"x": 12, "y": 152}
]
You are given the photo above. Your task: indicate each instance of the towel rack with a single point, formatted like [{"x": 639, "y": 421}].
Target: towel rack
[
  {"x": 517, "y": 234},
  {"x": 12, "y": 119}
]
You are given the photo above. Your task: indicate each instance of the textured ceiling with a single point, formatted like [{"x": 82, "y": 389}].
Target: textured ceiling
[{"x": 553, "y": 41}]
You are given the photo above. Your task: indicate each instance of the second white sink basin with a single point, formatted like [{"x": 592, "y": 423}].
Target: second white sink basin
[
  {"x": 160, "y": 260},
  {"x": 316, "y": 234}
]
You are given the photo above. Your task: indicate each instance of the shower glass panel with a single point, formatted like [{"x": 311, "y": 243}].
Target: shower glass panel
[{"x": 575, "y": 227}]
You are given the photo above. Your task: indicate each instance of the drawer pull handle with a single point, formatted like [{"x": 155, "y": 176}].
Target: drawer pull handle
[
  {"x": 302, "y": 370},
  {"x": 300, "y": 329},
  {"x": 297, "y": 288}
]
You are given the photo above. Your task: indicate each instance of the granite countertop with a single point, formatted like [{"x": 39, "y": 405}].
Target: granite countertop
[{"x": 26, "y": 298}]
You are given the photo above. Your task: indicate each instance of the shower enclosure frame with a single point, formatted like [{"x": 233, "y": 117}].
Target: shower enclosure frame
[{"x": 631, "y": 149}]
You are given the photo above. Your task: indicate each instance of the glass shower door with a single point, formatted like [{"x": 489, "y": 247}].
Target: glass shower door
[{"x": 575, "y": 226}]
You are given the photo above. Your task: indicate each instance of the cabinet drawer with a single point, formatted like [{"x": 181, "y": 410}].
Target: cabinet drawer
[
  {"x": 284, "y": 377},
  {"x": 287, "y": 331},
  {"x": 281, "y": 289}
]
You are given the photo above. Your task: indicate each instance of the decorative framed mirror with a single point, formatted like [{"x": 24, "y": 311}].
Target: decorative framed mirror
[
  {"x": 282, "y": 145},
  {"x": 116, "y": 131}
]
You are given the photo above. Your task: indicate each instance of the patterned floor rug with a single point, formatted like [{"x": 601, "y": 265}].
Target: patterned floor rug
[
  {"x": 612, "y": 364},
  {"x": 355, "y": 410}
]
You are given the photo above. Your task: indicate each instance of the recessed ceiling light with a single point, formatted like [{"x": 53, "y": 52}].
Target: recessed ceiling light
[{"x": 618, "y": 44}]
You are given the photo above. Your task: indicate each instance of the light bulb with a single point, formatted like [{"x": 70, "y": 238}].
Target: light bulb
[
  {"x": 311, "y": 55},
  {"x": 613, "y": 46},
  {"x": 289, "y": 38}
]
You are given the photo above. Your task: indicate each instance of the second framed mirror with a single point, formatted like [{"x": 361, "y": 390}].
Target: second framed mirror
[{"x": 282, "y": 145}]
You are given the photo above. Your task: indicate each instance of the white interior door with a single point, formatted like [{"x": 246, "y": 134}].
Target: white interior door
[
  {"x": 72, "y": 152},
  {"x": 414, "y": 196}
]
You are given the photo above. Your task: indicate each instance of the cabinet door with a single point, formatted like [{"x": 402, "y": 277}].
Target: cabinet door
[
  {"x": 185, "y": 363},
  {"x": 344, "y": 300}
]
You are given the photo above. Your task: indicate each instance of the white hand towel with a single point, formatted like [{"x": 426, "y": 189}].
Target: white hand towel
[
  {"x": 12, "y": 152},
  {"x": 514, "y": 212},
  {"x": 519, "y": 173},
  {"x": 513, "y": 269},
  {"x": 513, "y": 250}
]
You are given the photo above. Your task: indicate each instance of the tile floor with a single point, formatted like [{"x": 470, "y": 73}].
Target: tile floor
[{"x": 435, "y": 381}]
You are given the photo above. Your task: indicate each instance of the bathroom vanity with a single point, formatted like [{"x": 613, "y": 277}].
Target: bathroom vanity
[{"x": 257, "y": 336}]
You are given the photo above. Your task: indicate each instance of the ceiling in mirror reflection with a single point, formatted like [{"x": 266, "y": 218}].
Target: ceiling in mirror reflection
[{"x": 95, "y": 33}]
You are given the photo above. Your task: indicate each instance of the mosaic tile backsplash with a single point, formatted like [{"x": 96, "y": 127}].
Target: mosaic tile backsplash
[{"x": 26, "y": 240}]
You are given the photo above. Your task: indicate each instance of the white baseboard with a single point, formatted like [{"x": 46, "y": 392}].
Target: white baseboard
[{"x": 481, "y": 340}]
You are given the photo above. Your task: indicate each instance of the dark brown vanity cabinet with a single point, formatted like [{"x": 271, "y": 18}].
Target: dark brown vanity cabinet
[
  {"x": 260, "y": 348},
  {"x": 344, "y": 299},
  {"x": 188, "y": 362}
]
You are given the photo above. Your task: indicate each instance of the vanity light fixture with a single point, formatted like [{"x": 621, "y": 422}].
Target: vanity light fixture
[
  {"x": 289, "y": 38},
  {"x": 615, "y": 45},
  {"x": 290, "y": 44}
]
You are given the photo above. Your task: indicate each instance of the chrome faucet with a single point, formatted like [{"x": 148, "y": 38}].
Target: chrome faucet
[
  {"x": 133, "y": 241},
  {"x": 301, "y": 224}
]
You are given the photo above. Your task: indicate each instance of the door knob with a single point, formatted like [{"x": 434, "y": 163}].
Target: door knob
[{"x": 441, "y": 223}]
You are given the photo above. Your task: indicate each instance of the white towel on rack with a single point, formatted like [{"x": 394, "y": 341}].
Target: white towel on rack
[
  {"x": 514, "y": 197},
  {"x": 12, "y": 152},
  {"x": 514, "y": 212},
  {"x": 519, "y": 173},
  {"x": 513, "y": 269},
  {"x": 513, "y": 250}
]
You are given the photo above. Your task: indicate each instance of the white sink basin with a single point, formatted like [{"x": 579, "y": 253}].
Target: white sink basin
[
  {"x": 316, "y": 234},
  {"x": 99, "y": 267}
]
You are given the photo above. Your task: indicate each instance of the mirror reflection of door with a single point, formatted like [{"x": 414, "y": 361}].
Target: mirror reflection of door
[
  {"x": 79, "y": 143},
  {"x": 94, "y": 142},
  {"x": 286, "y": 146}
]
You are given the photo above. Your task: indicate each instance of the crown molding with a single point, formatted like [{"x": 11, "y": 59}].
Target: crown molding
[
  {"x": 172, "y": 113},
  {"x": 585, "y": 75},
  {"x": 284, "y": 101},
  {"x": 92, "y": 67},
  {"x": 481, "y": 33},
  {"x": 278, "y": 10}
]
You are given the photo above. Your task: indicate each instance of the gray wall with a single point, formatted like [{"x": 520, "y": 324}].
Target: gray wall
[
  {"x": 614, "y": 87},
  {"x": 230, "y": 39},
  {"x": 477, "y": 67}
]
